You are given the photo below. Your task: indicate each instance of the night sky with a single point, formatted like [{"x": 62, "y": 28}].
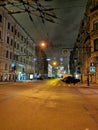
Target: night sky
[{"x": 62, "y": 33}]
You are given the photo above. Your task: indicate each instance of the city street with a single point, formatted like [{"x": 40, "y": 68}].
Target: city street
[{"x": 47, "y": 105}]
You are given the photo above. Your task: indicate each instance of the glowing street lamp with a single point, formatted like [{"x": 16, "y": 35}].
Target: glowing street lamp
[
  {"x": 43, "y": 44},
  {"x": 54, "y": 63}
]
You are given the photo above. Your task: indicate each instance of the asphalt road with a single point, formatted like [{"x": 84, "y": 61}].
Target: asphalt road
[{"x": 47, "y": 105}]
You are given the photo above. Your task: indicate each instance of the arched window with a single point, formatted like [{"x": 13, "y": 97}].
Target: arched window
[
  {"x": 96, "y": 45},
  {"x": 95, "y": 25}
]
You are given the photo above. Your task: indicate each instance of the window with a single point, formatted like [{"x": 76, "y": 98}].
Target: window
[
  {"x": 0, "y": 18},
  {"x": 11, "y": 42},
  {"x": 24, "y": 60},
  {"x": 21, "y": 37},
  {"x": 9, "y": 25},
  {"x": 15, "y": 44},
  {"x": 15, "y": 32},
  {"x": 10, "y": 55},
  {"x": 12, "y": 28},
  {"x": 0, "y": 34},
  {"x": 21, "y": 49},
  {"x": 7, "y": 39},
  {"x": 7, "y": 54},
  {"x": 18, "y": 34},
  {"x": 16, "y": 57},
  {"x": 5, "y": 66},
  {"x": 96, "y": 45},
  {"x": 95, "y": 25},
  {"x": 21, "y": 59},
  {"x": 24, "y": 50}
]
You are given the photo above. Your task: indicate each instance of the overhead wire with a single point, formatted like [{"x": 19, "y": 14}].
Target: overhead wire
[{"x": 43, "y": 12}]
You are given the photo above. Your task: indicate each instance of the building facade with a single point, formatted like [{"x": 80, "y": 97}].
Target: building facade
[
  {"x": 86, "y": 46},
  {"x": 41, "y": 62},
  {"x": 16, "y": 49}
]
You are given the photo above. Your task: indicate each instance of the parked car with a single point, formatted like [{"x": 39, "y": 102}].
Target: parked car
[
  {"x": 65, "y": 76},
  {"x": 70, "y": 80}
]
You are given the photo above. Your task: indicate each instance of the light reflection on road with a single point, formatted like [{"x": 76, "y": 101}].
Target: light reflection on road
[{"x": 47, "y": 105}]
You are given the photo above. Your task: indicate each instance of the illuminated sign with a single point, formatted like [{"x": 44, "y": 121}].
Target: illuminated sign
[
  {"x": 64, "y": 51},
  {"x": 93, "y": 69}
]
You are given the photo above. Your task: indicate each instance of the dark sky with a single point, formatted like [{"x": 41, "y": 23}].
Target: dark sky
[{"x": 63, "y": 32}]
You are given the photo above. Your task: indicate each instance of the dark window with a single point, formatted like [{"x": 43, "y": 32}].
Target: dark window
[
  {"x": 21, "y": 59},
  {"x": 0, "y": 34},
  {"x": 0, "y": 18},
  {"x": 96, "y": 45},
  {"x": 16, "y": 57},
  {"x": 21, "y": 37},
  {"x": 5, "y": 66},
  {"x": 21, "y": 49},
  {"x": 24, "y": 60},
  {"x": 15, "y": 32},
  {"x": 12, "y": 29},
  {"x": 10, "y": 55},
  {"x": 15, "y": 44},
  {"x": 18, "y": 34},
  {"x": 24, "y": 50},
  {"x": 7, "y": 39},
  {"x": 7, "y": 54},
  {"x": 11, "y": 42},
  {"x": 9, "y": 25}
]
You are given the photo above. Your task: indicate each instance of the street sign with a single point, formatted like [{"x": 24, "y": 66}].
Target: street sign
[
  {"x": 92, "y": 69},
  {"x": 64, "y": 51}
]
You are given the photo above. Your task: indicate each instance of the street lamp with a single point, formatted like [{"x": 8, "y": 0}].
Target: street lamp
[
  {"x": 42, "y": 44},
  {"x": 54, "y": 63}
]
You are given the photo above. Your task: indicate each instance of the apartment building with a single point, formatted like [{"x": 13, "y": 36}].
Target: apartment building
[
  {"x": 86, "y": 46},
  {"x": 16, "y": 49},
  {"x": 41, "y": 62}
]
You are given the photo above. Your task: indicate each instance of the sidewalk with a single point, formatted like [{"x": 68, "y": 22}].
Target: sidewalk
[{"x": 91, "y": 85}]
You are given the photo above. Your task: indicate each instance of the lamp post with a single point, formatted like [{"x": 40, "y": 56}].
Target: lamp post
[{"x": 88, "y": 83}]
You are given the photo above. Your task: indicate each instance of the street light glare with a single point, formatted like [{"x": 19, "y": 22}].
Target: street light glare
[
  {"x": 43, "y": 44},
  {"x": 54, "y": 63}
]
